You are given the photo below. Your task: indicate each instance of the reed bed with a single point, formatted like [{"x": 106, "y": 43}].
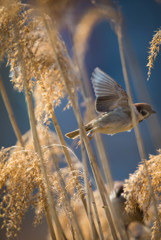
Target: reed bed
[{"x": 30, "y": 173}]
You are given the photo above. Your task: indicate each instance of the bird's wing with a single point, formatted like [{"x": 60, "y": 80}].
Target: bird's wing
[{"x": 109, "y": 94}]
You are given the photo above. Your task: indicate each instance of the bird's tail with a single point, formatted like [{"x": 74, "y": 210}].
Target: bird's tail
[{"x": 74, "y": 134}]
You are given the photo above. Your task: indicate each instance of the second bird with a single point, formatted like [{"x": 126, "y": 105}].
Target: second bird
[{"x": 112, "y": 103}]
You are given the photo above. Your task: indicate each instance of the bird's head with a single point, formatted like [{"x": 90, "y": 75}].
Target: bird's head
[{"x": 144, "y": 109}]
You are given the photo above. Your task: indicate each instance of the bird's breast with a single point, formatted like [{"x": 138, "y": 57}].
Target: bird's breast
[{"x": 114, "y": 122}]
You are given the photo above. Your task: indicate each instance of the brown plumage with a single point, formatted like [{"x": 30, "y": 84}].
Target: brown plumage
[{"x": 112, "y": 103}]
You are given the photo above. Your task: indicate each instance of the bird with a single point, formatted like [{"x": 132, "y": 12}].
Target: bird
[
  {"x": 113, "y": 107},
  {"x": 133, "y": 223},
  {"x": 119, "y": 202}
]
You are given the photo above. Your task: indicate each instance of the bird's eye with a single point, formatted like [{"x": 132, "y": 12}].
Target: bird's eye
[
  {"x": 119, "y": 191},
  {"x": 144, "y": 112}
]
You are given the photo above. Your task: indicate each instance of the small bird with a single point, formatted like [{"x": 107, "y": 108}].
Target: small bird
[
  {"x": 118, "y": 201},
  {"x": 112, "y": 104}
]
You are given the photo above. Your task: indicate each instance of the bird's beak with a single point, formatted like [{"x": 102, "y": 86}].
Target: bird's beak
[{"x": 153, "y": 111}]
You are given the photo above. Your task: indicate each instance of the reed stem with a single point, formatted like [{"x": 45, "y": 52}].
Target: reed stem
[
  {"x": 50, "y": 224},
  {"x": 75, "y": 106},
  {"x": 98, "y": 139},
  {"x": 136, "y": 128},
  {"x": 19, "y": 138},
  {"x": 88, "y": 98},
  {"x": 67, "y": 200},
  {"x": 67, "y": 155},
  {"x": 96, "y": 214},
  {"x": 63, "y": 145},
  {"x": 37, "y": 147},
  {"x": 10, "y": 113},
  {"x": 94, "y": 233}
]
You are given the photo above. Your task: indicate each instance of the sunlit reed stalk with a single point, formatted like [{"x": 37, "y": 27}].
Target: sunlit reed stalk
[
  {"x": 10, "y": 113},
  {"x": 139, "y": 84},
  {"x": 87, "y": 185},
  {"x": 37, "y": 147},
  {"x": 83, "y": 31},
  {"x": 136, "y": 128},
  {"x": 50, "y": 224},
  {"x": 88, "y": 98},
  {"x": 98, "y": 141},
  {"x": 19, "y": 138},
  {"x": 67, "y": 155},
  {"x": 75, "y": 106},
  {"x": 68, "y": 158},
  {"x": 67, "y": 199},
  {"x": 100, "y": 148},
  {"x": 94, "y": 233},
  {"x": 88, "y": 197},
  {"x": 106, "y": 13},
  {"x": 96, "y": 213},
  {"x": 64, "y": 146}
]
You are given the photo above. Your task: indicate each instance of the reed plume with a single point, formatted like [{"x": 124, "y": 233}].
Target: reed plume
[
  {"x": 43, "y": 76},
  {"x": 153, "y": 51},
  {"x": 137, "y": 190},
  {"x": 21, "y": 182}
]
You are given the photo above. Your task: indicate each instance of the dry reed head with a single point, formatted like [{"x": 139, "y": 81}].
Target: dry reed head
[
  {"x": 20, "y": 177},
  {"x": 86, "y": 24},
  {"x": 84, "y": 222},
  {"x": 154, "y": 50},
  {"x": 137, "y": 191},
  {"x": 22, "y": 187},
  {"x": 22, "y": 183},
  {"x": 24, "y": 30},
  {"x": 137, "y": 230},
  {"x": 46, "y": 138},
  {"x": 59, "y": 10}
]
